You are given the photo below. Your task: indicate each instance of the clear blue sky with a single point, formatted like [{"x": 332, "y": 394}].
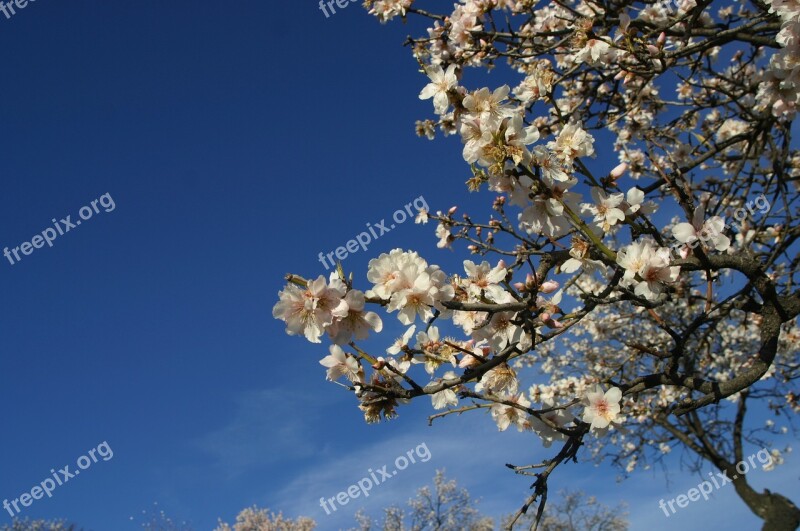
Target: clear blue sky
[{"x": 237, "y": 141}]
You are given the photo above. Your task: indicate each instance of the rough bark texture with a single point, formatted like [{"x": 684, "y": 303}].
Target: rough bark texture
[{"x": 777, "y": 511}]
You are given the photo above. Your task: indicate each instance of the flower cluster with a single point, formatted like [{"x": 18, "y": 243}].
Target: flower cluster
[
  {"x": 320, "y": 307},
  {"x": 648, "y": 269},
  {"x": 409, "y": 284},
  {"x": 780, "y": 88}
]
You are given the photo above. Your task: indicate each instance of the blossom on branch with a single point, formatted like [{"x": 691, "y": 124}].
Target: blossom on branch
[
  {"x": 311, "y": 310},
  {"x": 602, "y": 409},
  {"x": 341, "y": 364},
  {"x": 442, "y": 82}
]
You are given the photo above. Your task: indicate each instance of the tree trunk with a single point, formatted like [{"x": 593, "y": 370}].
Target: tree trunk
[{"x": 777, "y": 511}]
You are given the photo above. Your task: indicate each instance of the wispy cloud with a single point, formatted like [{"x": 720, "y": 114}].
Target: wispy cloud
[
  {"x": 262, "y": 431},
  {"x": 469, "y": 460}
]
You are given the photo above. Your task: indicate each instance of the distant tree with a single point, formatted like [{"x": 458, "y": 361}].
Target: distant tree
[
  {"x": 38, "y": 525},
  {"x": 443, "y": 508},
  {"x": 577, "y": 512},
  {"x": 255, "y": 519}
]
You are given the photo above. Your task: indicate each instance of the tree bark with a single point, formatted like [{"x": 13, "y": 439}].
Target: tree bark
[{"x": 777, "y": 511}]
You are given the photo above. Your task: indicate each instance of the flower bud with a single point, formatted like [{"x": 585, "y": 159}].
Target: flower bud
[
  {"x": 549, "y": 286},
  {"x": 468, "y": 361},
  {"x": 617, "y": 172}
]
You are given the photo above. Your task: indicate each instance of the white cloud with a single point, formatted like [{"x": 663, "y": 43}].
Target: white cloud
[
  {"x": 265, "y": 429},
  {"x": 468, "y": 460}
]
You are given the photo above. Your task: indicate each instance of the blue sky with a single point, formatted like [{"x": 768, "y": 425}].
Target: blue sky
[{"x": 237, "y": 141}]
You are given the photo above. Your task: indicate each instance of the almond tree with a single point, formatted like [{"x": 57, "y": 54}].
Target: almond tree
[
  {"x": 445, "y": 507},
  {"x": 26, "y": 524},
  {"x": 678, "y": 265},
  {"x": 256, "y": 519},
  {"x": 577, "y": 512}
]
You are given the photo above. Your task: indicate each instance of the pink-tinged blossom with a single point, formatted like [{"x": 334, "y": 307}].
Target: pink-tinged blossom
[
  {"x": 605, "y": 209},
  {"x": 572, "y": 142},
  {"x": 481, "y": 353},
  {"x": 504, "y": 416},
  {"x": 475, "y": 137},
  {"x": 441, "y": 83},
  {"x": 708, "y": 232},
  {"x": 431, "y": 345},
  {"x": 483, "y": 280},
  {"x": 553, "y": 170},
  {"x": 385, "y": 272},
  {"x": 499, "y": 380},
  {"x": 595, "y": 52},
  {"x": 386, "y": 10},
  {"x": 501, "y": 332},
  {"x": 490, "y": 107},
  {"x": 516, "y": 137},
  {"x": 411, "y": 286},
  {"x": 445, "y": 397},
  {"x": 357, "y": 323},
  {"x": 469, "y": 320},
  {"x": 647, "y": 268},
  {"x": 444, "y": 235},
  {"x": 550, "y": 307},
  {"x": 545, "y": 215},
  {"x": 559, "y": 418},
  {"x": 537, "y": 85},
  {"x": 311, "y": 310},
  {"x": 401, "y": 343},
  {"x": 341, "y": 364},
  {"x": 579, "y": 258},
  {"x": 634, "y": 203},
  {"x": 425, "y": 291},
  {"x": 601, "y": 408}
]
